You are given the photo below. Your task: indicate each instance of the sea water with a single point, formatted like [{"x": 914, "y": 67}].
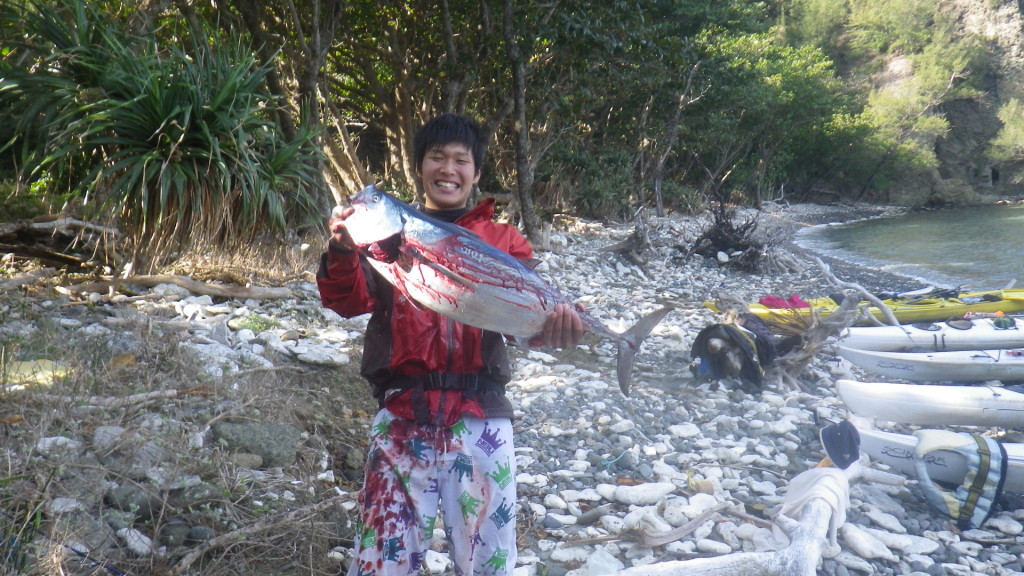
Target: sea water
[{"x": 977, "y": 248}]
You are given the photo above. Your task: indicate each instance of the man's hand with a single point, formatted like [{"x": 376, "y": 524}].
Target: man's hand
[
  {"x": 340, "y": 238},
  {"x": 563, "y": 328}
]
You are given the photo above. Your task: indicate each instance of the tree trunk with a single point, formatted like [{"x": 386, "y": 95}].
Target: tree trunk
[
  {"x": 345, "y": 173},
  {"x": 524, "y": 168},
  {"x": 249, "y": 11}
]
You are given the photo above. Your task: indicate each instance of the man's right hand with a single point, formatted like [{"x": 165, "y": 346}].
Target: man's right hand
[{"x": 340, "y": 238}]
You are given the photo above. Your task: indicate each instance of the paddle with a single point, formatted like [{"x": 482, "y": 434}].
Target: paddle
[{"x": 946, "y": 293}]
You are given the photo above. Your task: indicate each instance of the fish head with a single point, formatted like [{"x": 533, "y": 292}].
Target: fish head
[{"x": 372, "y": 216}]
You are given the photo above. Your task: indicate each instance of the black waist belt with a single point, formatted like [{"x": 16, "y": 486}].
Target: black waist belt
[
  {"x": 445, "y": 381},
  {"x": 417, "y": 385}
]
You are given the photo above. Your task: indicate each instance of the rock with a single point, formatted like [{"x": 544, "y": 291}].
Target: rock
[
  {"x": 602, "y": 563},
  {"x": 863, "y": 544},
  {"x": 708, "y": 546},
  {"x": 57, "y": 446},
  {"x": 175, "y": 532},
  {"x": 136, "y": 542},
  {"x": 275, "y": 443},
  {"x": 59, "y": 506},
  {"x": 135, "y": 500},
  {"x": 643, "y": 494}
]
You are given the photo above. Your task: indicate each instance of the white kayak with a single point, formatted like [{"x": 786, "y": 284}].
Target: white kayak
[
  {"x": 934, "y": 405},
  {"x": 897, "y": 451},
  {"x": 956, "y": 366},
  {"x": 973, "y": 334}
]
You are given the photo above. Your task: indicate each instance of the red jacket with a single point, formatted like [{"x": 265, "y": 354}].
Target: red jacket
[{"x": 405, "y": 340}]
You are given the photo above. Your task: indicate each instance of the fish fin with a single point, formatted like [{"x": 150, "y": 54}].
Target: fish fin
[
  {"x": 518, "y": 341},
  {"x": 629, "y": 344},
  {"x": 531, "y": 263},
  {"x": 418, "y": 256}
]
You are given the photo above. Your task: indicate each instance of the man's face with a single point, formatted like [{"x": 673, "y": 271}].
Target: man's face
[{"x": 448, "y": 174}]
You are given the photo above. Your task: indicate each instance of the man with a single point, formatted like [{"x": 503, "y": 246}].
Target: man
[{"x": 443, "y": 435}]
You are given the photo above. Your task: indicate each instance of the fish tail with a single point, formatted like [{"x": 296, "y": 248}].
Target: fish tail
[{"x": 630, "y": 342}]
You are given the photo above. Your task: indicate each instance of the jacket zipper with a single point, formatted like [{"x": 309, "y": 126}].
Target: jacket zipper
[{"x": 444, "y": 391}]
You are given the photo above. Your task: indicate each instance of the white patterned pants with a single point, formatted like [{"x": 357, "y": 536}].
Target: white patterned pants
[{"x": 466, "y": 471}]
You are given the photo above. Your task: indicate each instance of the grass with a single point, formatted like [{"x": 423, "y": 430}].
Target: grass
[{"x": 162, "y": 397}]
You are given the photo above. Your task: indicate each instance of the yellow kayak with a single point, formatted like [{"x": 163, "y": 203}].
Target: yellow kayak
[{"x": 936, "y": 307}]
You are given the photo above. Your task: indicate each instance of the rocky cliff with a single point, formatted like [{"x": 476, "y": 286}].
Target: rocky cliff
[{"x": 964, "y": 173}]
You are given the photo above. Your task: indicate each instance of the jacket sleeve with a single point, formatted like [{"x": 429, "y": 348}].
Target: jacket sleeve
[
  {"x": 507, "y": 238},
  {"x": 517, "y": 245},
  {"x": 345, "y": 282}
]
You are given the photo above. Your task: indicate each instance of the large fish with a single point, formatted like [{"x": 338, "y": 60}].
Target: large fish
[{"x": 455, "y": 273}]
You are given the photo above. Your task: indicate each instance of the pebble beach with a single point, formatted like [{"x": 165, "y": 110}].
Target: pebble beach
[{"x": 601, "y": 475}]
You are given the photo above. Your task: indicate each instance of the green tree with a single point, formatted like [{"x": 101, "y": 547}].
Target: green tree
[
  {"x": 818, "y": 23},
  {"x": 178, "y": 146},
  {"x": 883, "y": 27},
  {"x": 1008, "y": 145},
  {"x": 765, "y": 107}
]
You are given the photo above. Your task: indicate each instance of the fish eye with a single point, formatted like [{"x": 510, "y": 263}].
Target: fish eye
[{"x": 375, "y": 197}]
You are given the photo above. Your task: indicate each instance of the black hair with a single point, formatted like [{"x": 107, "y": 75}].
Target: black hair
[{"x": 446, "y": 129}]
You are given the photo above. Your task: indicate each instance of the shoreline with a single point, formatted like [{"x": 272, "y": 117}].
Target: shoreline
[{"x": 789, "y": 221}]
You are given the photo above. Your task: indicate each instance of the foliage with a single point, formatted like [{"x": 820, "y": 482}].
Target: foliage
[
  {"x": 884, "y": 27},
  {"x": 730, "y": 100},
  {"x": 768, "y": 104},
  {"x": 951, "y": 66},
  {"x": 927, "y": 60},
  {"x": 818, "y": 23},
  {"x": 177, "y": 145},
  {"x": 602, "y": 181},
  {"x": 1008, "y": 145}
]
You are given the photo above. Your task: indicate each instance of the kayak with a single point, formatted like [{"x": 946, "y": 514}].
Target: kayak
[
  {"x": 929, "y": 307},
  {"x": 897, "y": 451},
  {"x": 935, "y": 405},
  {"x": 973, "y": 334},
  {"x": 956, "y": 366}
]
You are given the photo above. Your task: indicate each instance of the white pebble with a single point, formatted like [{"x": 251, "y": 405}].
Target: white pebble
[
  {"x": 885, "y": 520},
  {"x": 554, "y": 502},
  {"x": 1006, "y": 525},
  {"x": 137, "y": 542},
  {"x": 643, "y": 494},
  {"x": 708, "y": 546},
  {"x": 865, "y": 545}
]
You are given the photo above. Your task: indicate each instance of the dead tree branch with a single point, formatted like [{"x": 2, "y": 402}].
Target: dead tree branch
[
  {"x": 245, "y": 532},
  {"x": 193, "y": 286}
]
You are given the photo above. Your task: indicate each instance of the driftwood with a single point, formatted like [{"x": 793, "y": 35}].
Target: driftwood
[
  {"x": 652, "y": 540},
  {"x": 124, "y": 401},
  {"x": 33, "y": 239},
  {"x": 813, "y": 511},
  {"x": 13, "y": 228},
  {"x": 815, "y": 331},
  {"x": 26, "y": 278},
  {"x": 194, "y": 286},
  {"x": 633, "y": 248},
  {"x": 868, "y": 296},
  {"x": 42, "y": 254}
]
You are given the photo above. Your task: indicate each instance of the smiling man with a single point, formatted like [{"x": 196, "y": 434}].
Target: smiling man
[
  {"x": 442, "y": 440},
  {"x": 447, "y": 172}
]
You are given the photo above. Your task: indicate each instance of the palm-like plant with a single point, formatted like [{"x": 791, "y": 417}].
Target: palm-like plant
[{"x": 177, "y": 145}]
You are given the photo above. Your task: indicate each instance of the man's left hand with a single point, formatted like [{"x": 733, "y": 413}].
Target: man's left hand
[{"x": 563, "y": 328}]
